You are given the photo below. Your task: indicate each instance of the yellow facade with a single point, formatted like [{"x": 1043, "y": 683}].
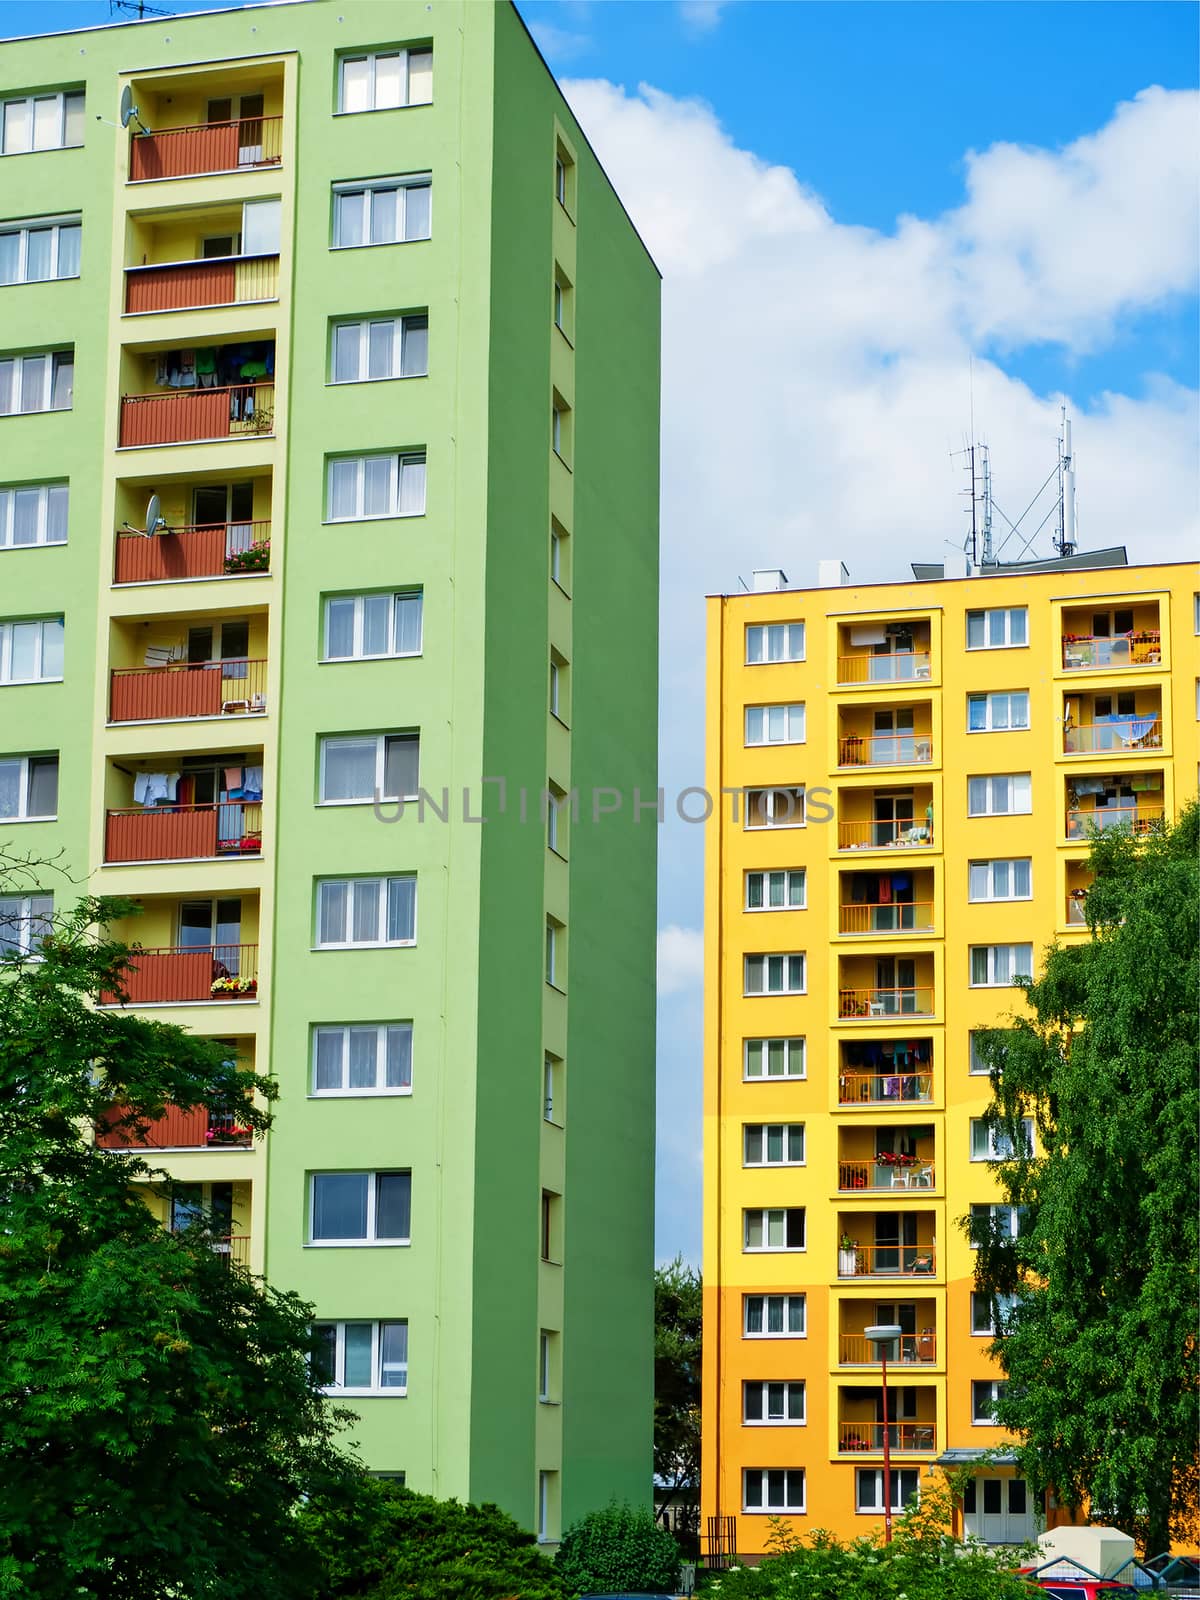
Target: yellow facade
[{"x": 860, "y": 1214}]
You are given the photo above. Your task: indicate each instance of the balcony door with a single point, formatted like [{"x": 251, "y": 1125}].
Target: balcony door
[
  {"x": 211, "y": 1203},
  {"x": 895, "y": 1240},
  {"x": 893, "y": 738},
  {"x": 892, "y": 659},
  {"x": 896, "y": 985},
  {"x": 228, "y": 505},
  {"x": 227, "y": 643},
  {"x": 209, "y": 788},
  {"x": 247, "y": 111},
  {"x": 893, "y": 815},
  {"x": 214, "y": 925}
]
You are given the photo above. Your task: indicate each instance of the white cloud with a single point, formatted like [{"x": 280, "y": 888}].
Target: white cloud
[
  {"x": 680, "y": 959},
  {"x": 702, "y": 15},
  {"x": 560, "y": 46}
]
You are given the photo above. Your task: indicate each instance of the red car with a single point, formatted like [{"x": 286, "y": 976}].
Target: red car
[{"x": 1086, "y": 1588}]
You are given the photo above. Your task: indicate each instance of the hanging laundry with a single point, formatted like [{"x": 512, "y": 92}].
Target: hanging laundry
[
  {"x": 1151, "y": 783},
  {"x": 206, "y": 367},
  {"x": 885, "y": 891},
  {"x": 233, "y": 779},
  {"x": 252, "y": 784},
  {"x": 151, "y": 787},
  {"x": 1088, "y": 786}
]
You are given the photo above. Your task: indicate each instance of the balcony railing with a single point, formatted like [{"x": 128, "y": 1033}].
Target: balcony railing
[
  {"x": 895, "y": 917},
  {"x": 885, "y": 750},
  {"x": 885, "y": 1175},
  {"x": 186, "y": 416},
  {"x": 177, "y": 1129},
  {"x": 894, "y": 834},
  {"x": 904, "y": 1438},
  {"x": 176, "y": 975},
  {"x": 184, "y": 689},
  {"x": 903, "y": 666},
  {"x": 1117, "y": 734},
  {"x": 883, "y": 1088},
  {"x": 237, "y": 146},
  {"x": 187, "y": 285},
  {"x": 184, "y": 833},
  {"x": 1081, "y": 651},
  {"x": 887, "y": 1261},
  {"x": 200, "y": 550},
  {"x": 234, "y": 1248},
  {"x": 858, "y": 1351},
  {"x": 1138, "y": 817},
  {"x": 917, "y": 1002},
  {"x": 1077, "y": 908}
]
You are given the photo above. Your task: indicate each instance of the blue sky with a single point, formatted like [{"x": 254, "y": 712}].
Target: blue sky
[{"x": 856, "y": 206}]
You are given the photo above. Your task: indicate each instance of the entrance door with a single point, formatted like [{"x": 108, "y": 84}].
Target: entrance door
[{"x": 997, "y": 1510}]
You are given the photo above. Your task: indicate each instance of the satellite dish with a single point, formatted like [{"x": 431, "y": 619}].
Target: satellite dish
[
  {"x": 155, "y": 522},
  {"x": 129, "y": 112}
]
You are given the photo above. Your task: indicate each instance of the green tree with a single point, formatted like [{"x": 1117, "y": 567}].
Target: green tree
[
  {"x": 677, "y": 1343},
  {"x": 618, "y": 1548},
  {"x": 1100, "y": 1346},
  {"x": 158, "y": 1422}
]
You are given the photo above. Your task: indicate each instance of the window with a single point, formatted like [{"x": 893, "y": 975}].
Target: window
[
  {"x": 1000, "y": 880},
  {"x": 773, "y": 1403},
  {"x": 24, "y": 922},
  {"x": 359, "y": 627},
  {"x": 376, "y": 486},
  {"x": 28, "y": 788},
  {"x": 1001, "y": 1221},
  {"x": 560, "y": 427},
  {"x": 993, "y": 713},
  {"x": 560, "y": 704},
  {"x": 366, "y": 911},
  {"x": 1006, "y": 795},
  {"x": 997, "y": 630},
  {"x": 555, "y": 800},
  {"x": 556, "y": 966},
  {"x": 988, "y": 1314},
  {"x": 384, "y": 347},
  {"x": 773, "y": 1489},
  {"x": 387, "y": 211},
  {"x": 361, "y": 1207},
  {"x": 774, "y": 808},
  {"x": 552, "y": 1075},
  {"x": 774, "y": 1316},
  {"x": 41, "y": 382},
  {"x": 993, "y": 1144},
  {"x": 547, "y": 1497},
  {"x": 773, "y": 1144},
  {"x": 995, "y": 965},
  {"x": 984, "y": 1394},
  {"x": 361, "y": 1358},
  {"x": 774, "y": 974},
  {"x": 564, "y": 304},
  {"x": 780, "y": 1229},
  {"x": 42, "y": 122},
  {"x": 775, "y": 724},
  {"x": 551, "y": 1222},
  {"x": 547, "y": 1341},
  {"x": 1121, "y": 705},
  {"x": 774, "y": 1058},
  {"x": 381, "y": 80},
  {"x": 977, "y": 1065},
  {"x": 564, "y": 178},
  {"x": 31, "y": 652},
  {"x": 371, "y": 766},
  {"x": 774, "y": 641},
  {"x": 35, "y": 513},
  {"x": 560, "y": 553},
  {"x": 775, "y": 891},
  {"x": 868, "y": 1489},
  {"x": 363, "y": 1058},
  {"x": 36, "y": 251}
]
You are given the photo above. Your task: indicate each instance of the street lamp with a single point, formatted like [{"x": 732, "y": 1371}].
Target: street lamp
[{"x": 881, "y": 1336}]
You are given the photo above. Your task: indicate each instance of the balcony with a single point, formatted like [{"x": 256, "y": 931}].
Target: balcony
[
  {"x": 1123, "y": 722},
  {"x": 192, "y": 285},
  {"x": 893, "y": 1157},
  {"x": 1111, "y": 640},
  {"x": 184, "y": 832},
  {"x": 916, "y": 1347},
  {"x": 883, "y": 652},
  {"x": 884, "y": 1088},
  {"x": 178, "y": 1129},
  {"x": 892, "y": 738},
  {"x": 183, "y": 690},
  {"x": 887, "y": 1261},
  {"x": 188, "y": 416},
  {"x": 903, "y": 1001},
  {"x": 885, "y": 902},
  {"x": 187, "y": 974},
  {"x": 240, "y": 144},
  {"x": 886, "y": 819},
  {"x": 211, "y": 550},
  {"x": 904, "y": 1438}
]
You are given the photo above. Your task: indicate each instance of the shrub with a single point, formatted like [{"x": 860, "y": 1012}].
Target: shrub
[{"x": 618, "y": 1548}]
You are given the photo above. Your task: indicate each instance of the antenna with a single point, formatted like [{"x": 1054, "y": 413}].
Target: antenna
[
  {"x": 154, "y": 522},
  {"x": 1065, "y": 543},
  {"x": 138, "y": 8},
  {"x": 985, "y": 467},
  {"x": 129, "y": 112}
]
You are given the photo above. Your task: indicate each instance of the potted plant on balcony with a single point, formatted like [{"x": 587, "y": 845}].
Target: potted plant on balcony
[
  {"x": 847, "y": 1256},
  {"x": 230, "y": 988},
  {"x": 255, "y": 558}
]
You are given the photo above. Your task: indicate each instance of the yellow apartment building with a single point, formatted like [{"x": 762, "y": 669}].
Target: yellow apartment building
[{"x": 906, "y": 777}]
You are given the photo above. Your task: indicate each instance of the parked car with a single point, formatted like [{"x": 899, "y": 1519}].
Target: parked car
[{"x": 1085, "y": 1588}]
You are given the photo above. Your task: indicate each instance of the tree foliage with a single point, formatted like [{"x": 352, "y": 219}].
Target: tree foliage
[
  {"x": 677, "y": 1346},
  {"x": 618, "y": 1548},
  {"x": 1100, "y": 1349}
]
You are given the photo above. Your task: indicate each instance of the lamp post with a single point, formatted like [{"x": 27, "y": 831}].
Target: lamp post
[{"x": 881, "y": 1336}]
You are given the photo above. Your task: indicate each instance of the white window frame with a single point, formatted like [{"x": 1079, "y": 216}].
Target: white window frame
[
  {"x": 359, "y": 625},
  {"x": 345, "y": 1090},
  {"x": 54, "y": 225},
  {"x": 62, "y": 96},
  {"x": 991, "y": 705},
  {"x": 787, "y": 1129},
  {"x": 1020, "y": 789},
  {"x": 875, "y": 1474},
  {"x": 401, "y": 324},
  {"x": 332, "y": 740},
  {"x": 28, "y": 910},
  {"x": 997, "y": 1389},
  {"x": 554, "y": 955},
  {"x": 366, "y": 190},
  {"x": 988, "y": 869},
  {"x": 1006, "y": 628},
  {"x": 401, "y": 461},
  {"x": 790, "y": 637},
  {"x": 764, "y": 1214},
  {"x": 1004, "y": 1304},
  {"x": 546, "y": 1365},
  {"x": 795, "y": 815},
  {"x": 368, "y": 944},
  {"x": 792, "y": 877},
  {"x": 6, "y": 649},
  {"x": 8, "y": 513},
  {"x": 12, "y": 383},
  {"x": 786, "y": 1308},
  {"x": 552, "y": 1088},
  {"x": 378, "y": 1388},
  {"x": 372, "y": 59},
  {"x": 991, "y": 1211},
  {"x": 793, "y": 1046},
  {"x": 560, "y": 556},
  {"x": 793, "y": 720},
  {"x": 997, "y": 1147},
  {"x": 370, "y": 1240},
  {"x": 24, "y": 784},
  {"x": 786, "y": 971},
  {"x": 991, "y": 981},
  {"x": 974, "y": 1071},
  {"x": 764, "y": 1387},
  {"x": 785, "y": 1507}
]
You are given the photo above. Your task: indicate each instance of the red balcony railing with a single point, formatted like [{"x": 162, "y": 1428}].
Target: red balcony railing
[
  {"x": 174, "y": 974},
  {"x": 184, "y": 416},
  {"x": 888, "y": 835},
  {"x": 1084, "y": 650},
  {"x": 201, "y": 550},
  {"x": 885, "y": 1175},
  {"x": 885, "y": 750},
  {"x": 883, "y": 1088},
  {"x": 185, "y": 689},
  {"x": 186, "y": 285},
  {"x": 236, "y": 146},
  {"x": 894, "y": 917},
  {"x": 885, "y": 1002},
  {"x": 177, "y": 1129},
  {"x": 903, "y": 666},
  {"x": 184, "y": 833},
  {"x": 905, "y": 1438},
  {"x": 886, "y": 1261},
  {"x": 1137, "y": 816},
  {"x": 858, "y": 1351},
  {"x": 1118, "y": 734}
]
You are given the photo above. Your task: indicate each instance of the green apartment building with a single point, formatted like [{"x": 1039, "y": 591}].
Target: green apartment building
[{"x": 348, "y": 317}]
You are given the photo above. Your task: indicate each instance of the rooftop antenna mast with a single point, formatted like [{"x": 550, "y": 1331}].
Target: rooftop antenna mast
[
  {"x": 985, "y": 468},
  {"x": 137, "y": 8},
  {"x": 1065, "y": 543}
]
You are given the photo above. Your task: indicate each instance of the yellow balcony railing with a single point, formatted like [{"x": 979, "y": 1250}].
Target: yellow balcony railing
[{"x": 902, "y": 666}]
